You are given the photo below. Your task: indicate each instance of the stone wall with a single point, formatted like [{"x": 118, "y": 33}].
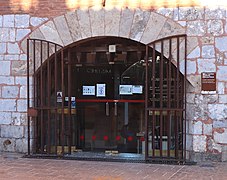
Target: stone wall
[{"x": 206, "y": 114}]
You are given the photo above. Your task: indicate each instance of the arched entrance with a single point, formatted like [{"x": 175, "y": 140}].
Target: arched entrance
[{"x": 109, "y": 94}]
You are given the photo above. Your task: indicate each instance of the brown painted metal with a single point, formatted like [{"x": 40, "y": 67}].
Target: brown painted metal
[
  {"x": 28, "y": 99},
  {"x": 69, "y": 102}
]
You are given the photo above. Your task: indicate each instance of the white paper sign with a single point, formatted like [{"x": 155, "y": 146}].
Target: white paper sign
[
  {"x": 101, "y": 90},
  {"x": 137, "y": 89},
  {"x": 89, "y": 90},
  {"x": 125, "y": 89}
]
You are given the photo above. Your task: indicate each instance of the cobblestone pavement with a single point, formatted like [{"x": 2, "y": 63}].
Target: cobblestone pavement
[{"x": 15, "y": 167}]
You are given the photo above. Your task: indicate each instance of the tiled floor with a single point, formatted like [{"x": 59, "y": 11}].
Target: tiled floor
[{"x": 14, "y": 167}]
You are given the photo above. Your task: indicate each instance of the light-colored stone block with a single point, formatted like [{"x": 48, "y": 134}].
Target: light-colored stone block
[
  {"x": 7, "y": 80},
  {"x": 13, "y": 48},
  {"x": 221, "y": 137},
  {"x": 207, "y": 40},
  {"x": 11, "y": 57},
  {"x": 215, "y": 27},
  {"x": 21, "y": 145},
  {"x": 222, "y": 99},
  {"x": 9, "y": 146},
  {"x": 191, "y": 67},
  {"x": 9, "y": 131},
  {"x": 195, "y": 53},
  {"x": 207, "y": 129},
  {"x": 74, "y": 27},
  {"x": 12, "y": 35},
  {"x": 167, "y": 12},
  {"x": 206, "y": 65},
  {"x": 221, "y": 88},
  {"x": 199, "y": 143},
  {"x": 19, "y": 119},
  {"x": 19, "y": 68},
  {"x": 153, "y": 28},
  {"x": 8, "y": 105},
  {"x": 126, "y": 22},
  {"x": 215, "y": 13},
  {"x": 36, "y": 21},
  {"x": 22, "y": 105},
  {"x": 139, "y": 24},
  {"x": 21, "y": 80},
  {"x": 22, "y": 20},
  {"x": 190, "y": 13},
  {"x": 217, "y": 111},
  {"x": 222, "y": 73},
  {"x": 112, "y": 22},
  {"x": 23, "y": 92},
  {"x": 84, "y": 22},
  {"x": 22, "y": 33},
  {"x": 2, "y": 48},
  {"x": 9, "y": 20},
  {"x": 50, "y": 33},
  {"x": 196, "y": 28},
  {"x": 63, "y": 30},
  {"x": 1, "y": 21},
  {"x": 221, "y": 43},
  {"x": 5, "y": 68},
  {"x": 10, "y": 91},
  {"x": 6, "y": 118},
  {"x": 23, "y": 57},
  {"x": 97, "y": 22},
  {"x": 208, "y": 51},
  {"x": 197, "y": 127}
]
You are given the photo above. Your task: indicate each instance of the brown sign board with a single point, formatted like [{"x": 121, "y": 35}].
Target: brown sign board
[{"x": 208, "y": 81}]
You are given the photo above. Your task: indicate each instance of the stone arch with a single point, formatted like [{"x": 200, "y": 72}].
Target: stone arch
[{"x": 140, "y": 25}]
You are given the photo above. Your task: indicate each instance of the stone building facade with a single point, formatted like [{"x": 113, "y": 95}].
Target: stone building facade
[{"x": 206, "y": 30}]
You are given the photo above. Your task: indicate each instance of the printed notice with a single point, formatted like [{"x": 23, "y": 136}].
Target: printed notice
[
  {"x": 125, "y": 89},
  {"x": 101, "y": 90},
  {"x": 88, "y": 90},
  {"x": 137, "y": 89}
]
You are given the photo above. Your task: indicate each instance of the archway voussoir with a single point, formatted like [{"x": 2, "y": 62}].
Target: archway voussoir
[
  {"x": 112, "y": 22},
  {"x": 97, "y": 22},
  {"x": 84, "y": 22},
  {"x": 139, "y": 24},
  {"x": 126, "y": 20},
  {"x": 50, "y": 33},
  {"x": 74, "y": 26},
  {"x": 63, "y": 30},
  {"x": 153, "y": 28}
]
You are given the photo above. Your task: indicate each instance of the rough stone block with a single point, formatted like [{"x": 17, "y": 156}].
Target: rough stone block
[
  {"x": 7, "y": 80},
  {"x": 19, "y": 68},
  {"x": 9, "y": 131},
  {"x": 199, "y": 143},
  {"x": 19, "y": 119},
  {"x": 36, "y": 21},
  {"x": 22, "y": 21},
  {"x": 5, "y": 68},
  {"x": 6, "y": 118},
  {"x": 215, "y": 13},
  {"x": 196, "y": 28},
  {"x": 191, "y": 67},
  {"x": 84, "y": 22},
  {"x": 8, "y": 20},
  {"x": 186, "y": 13},
  {"x": 21, "y": 80},
  {"x": 207, "y": 129},
  {"x": 221, "y": 137},
  {"x": 195, "y": 53},
  {"x": 2, "y": 48},
  {"x": 10, "y": 91},
  {"x": 1, "y": 21},
  {"x": 217, "y": 111},
  {"x": 222, "y": 73},
  {"x": 126, "y": 22},
  {"x": 22, "y": 33},
  {"x": 206, "y": 65},
  {"x": 11, "y": 57},
  {"x": 13, "y": 48},
  {"x": 215, "y": 27},
  {"x": 197, "y": 127},
  {"x": 221, "y": 43},
  {"x": 21, "y": 145},
  {"x": 22, "y": 105},
  {"x": 221, "y": 88},
  {"x": 8, "y": 105},
  {"x": 23, "y": 92},
  {"x": 97, "y": 21},
  {"x": 7, "y": 144},
  {"x": 23, "y": 57},
  {"x": 223, "y": 99},
  {"x": 208, "y": 51}
]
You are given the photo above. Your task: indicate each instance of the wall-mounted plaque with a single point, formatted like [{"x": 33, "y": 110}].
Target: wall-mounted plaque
[{"x": 208, "y": 81}]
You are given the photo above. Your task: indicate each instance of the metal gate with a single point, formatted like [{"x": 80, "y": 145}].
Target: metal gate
[{"x": 50, "y": 119}]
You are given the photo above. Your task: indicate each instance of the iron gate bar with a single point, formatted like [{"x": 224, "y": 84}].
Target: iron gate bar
[
  {"x": 153, "y": 97},
  {"x": 41, "y": 95},
  {"x": 55, "y": 102},
  {"x": 185, "y": 102},
  {"x": 146, "y": 103},
  {"x": 48, "y": 98},
  {"x": 62, "y": 104},
  {"x": 69, "y": 102},
  {"x": 28, "y": 99}
]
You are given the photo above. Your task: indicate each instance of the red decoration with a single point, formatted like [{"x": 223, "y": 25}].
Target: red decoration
[
  {"x": 93, "y": 138},
  {"x": 81, "y": 137},
  {"x": 105, "y": 138},
  {"x": 142, "y": 139},
  {"x": 118, "y": 138},
  {"x": 130, "y": 138}
]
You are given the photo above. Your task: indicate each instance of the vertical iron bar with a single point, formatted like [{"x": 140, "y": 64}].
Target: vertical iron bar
[
  {"x": 153, "y": 100},
  {"x": 69, "y": 102},
  {"x": 41, "y": 95},
  {"x": 48, "y": 98},
  {"x": 146, "y": 105},
  {"x": 185, "y": 100},
  {"x": 35, "y": 96},
  {"x": 56, "y": 105},
  {"x": 161, "y": 98},
  {"x": 28, "y": 97},
  {"x": 62, "y": 104}
]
